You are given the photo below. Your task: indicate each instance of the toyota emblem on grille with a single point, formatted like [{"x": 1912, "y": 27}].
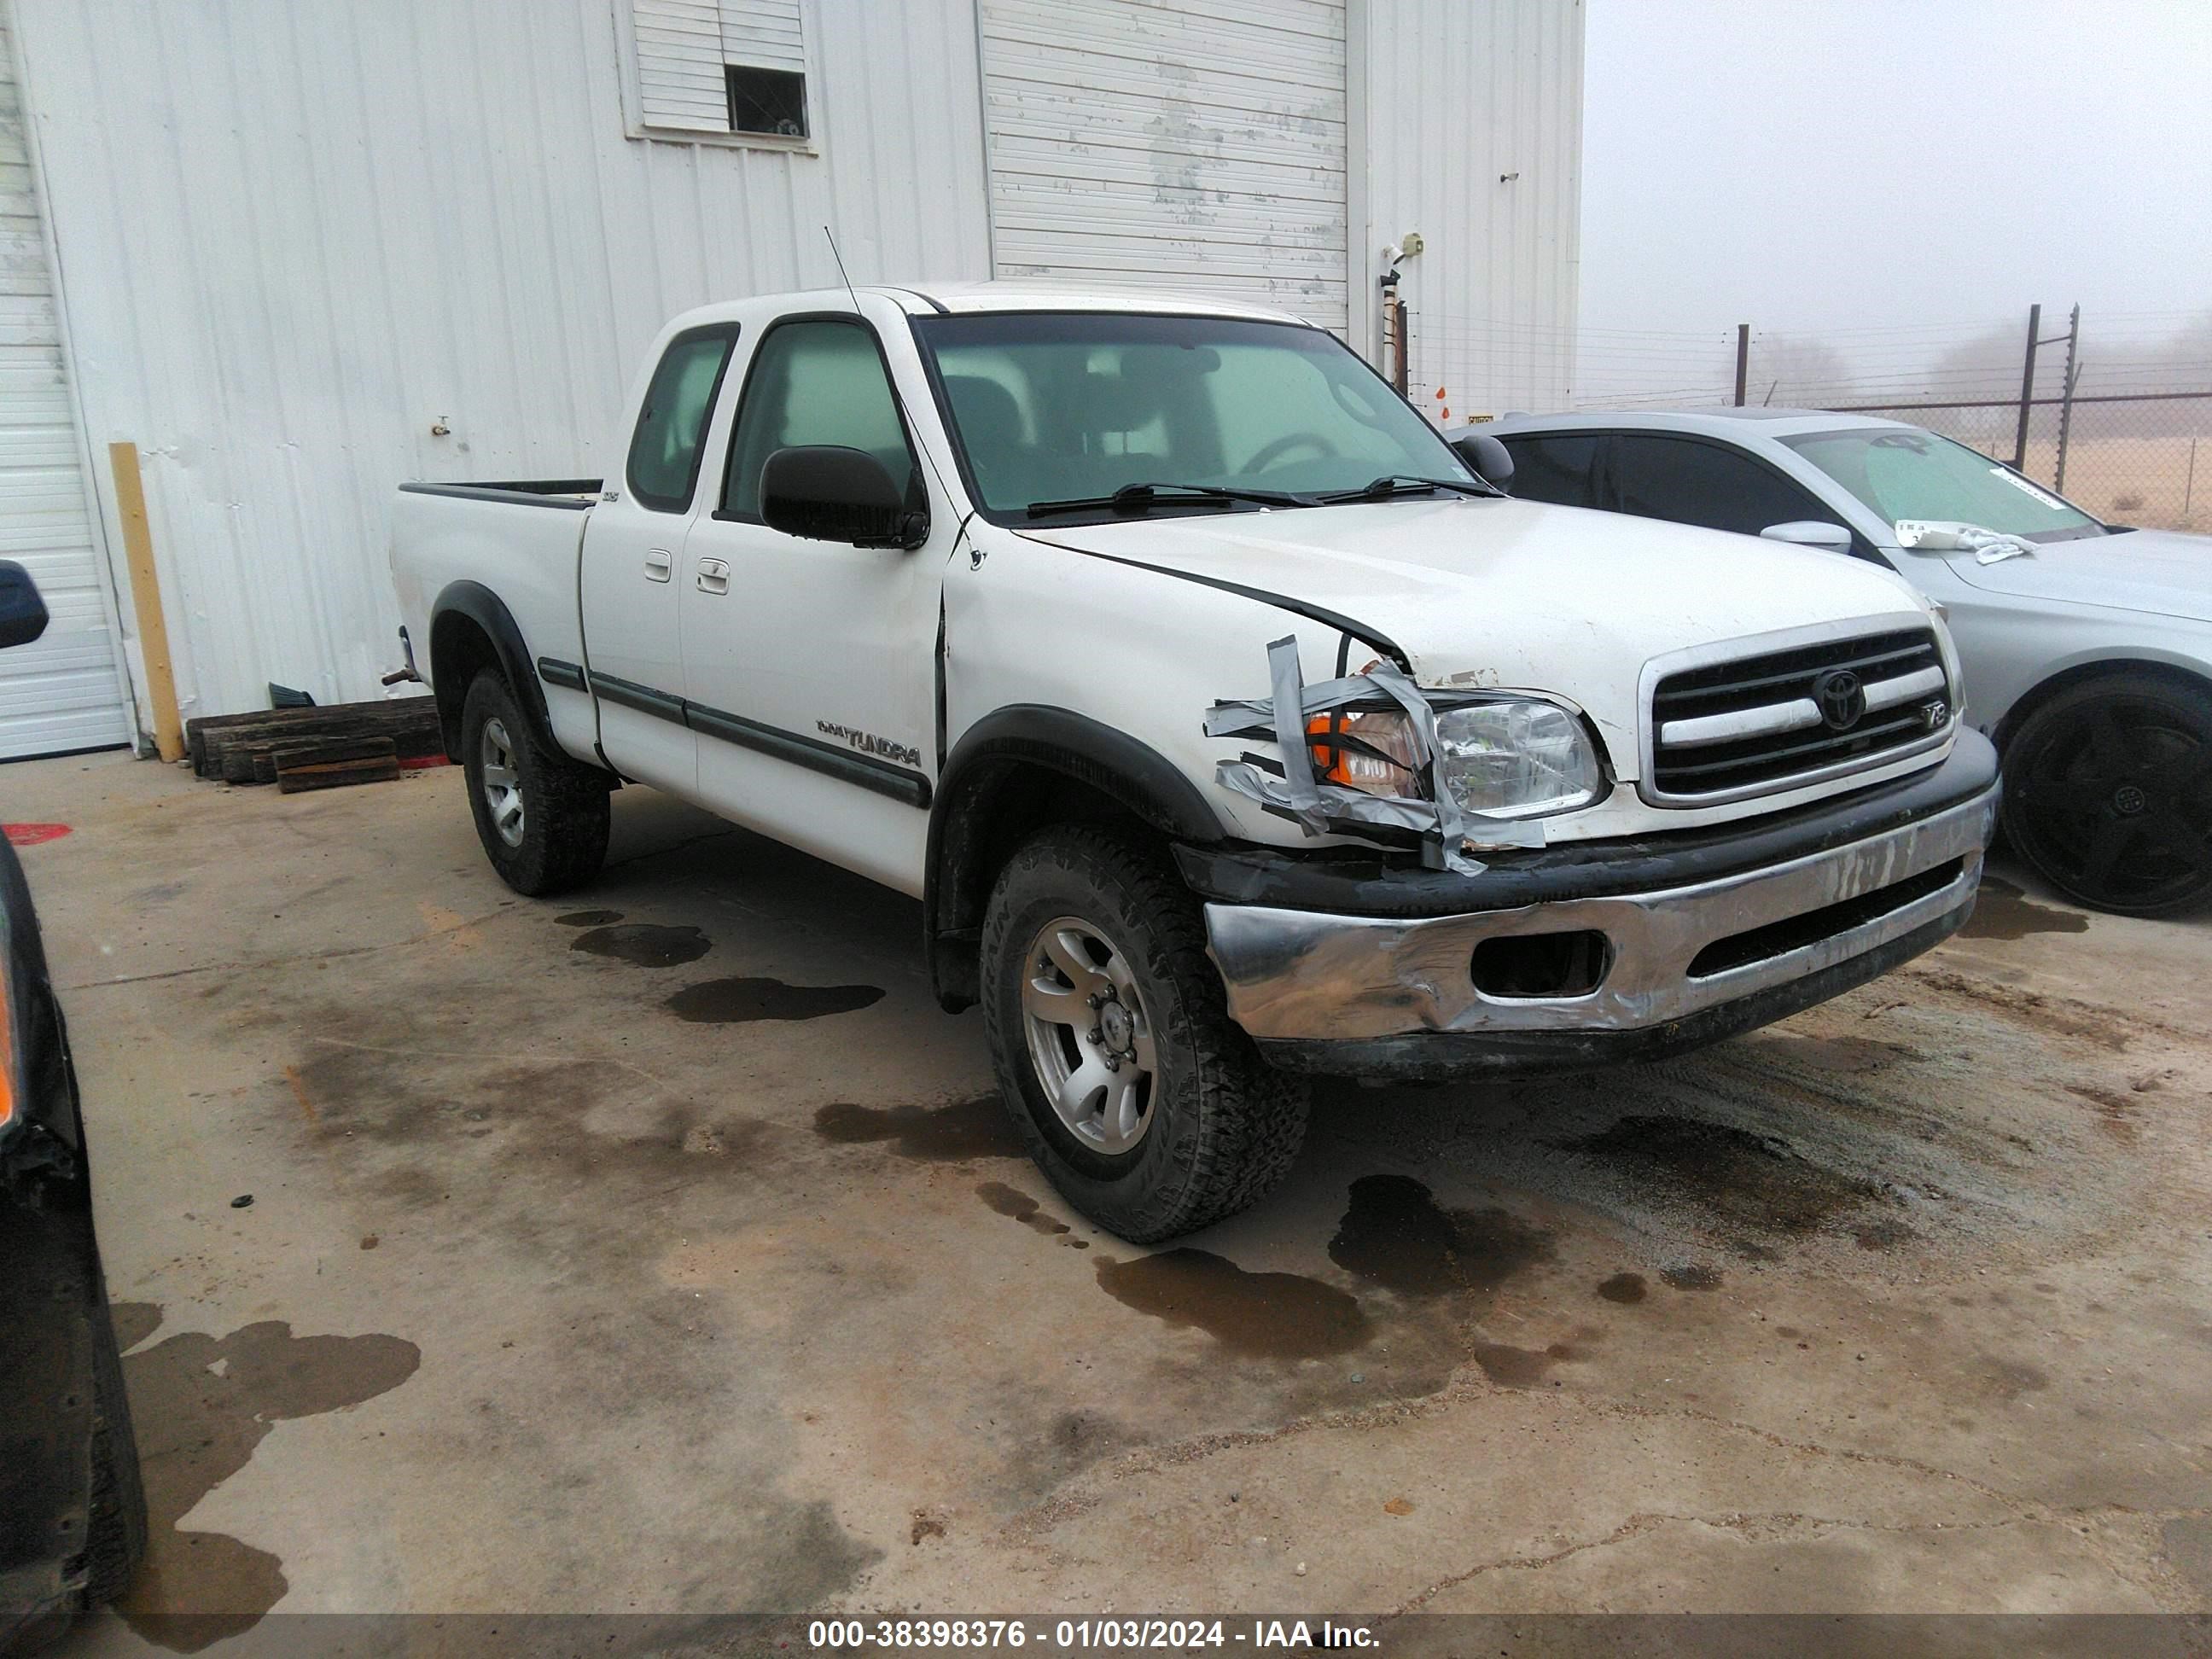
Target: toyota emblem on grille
[{"x": 1840, "y": 698}]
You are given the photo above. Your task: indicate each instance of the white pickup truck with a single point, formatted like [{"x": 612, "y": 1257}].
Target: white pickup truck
[{"x": 1228, "y": 723}]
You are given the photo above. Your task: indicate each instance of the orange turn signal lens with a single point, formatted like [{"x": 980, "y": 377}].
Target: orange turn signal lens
[
  {"x": 6, "y": 1052},
  {"x": 1373, "y": 753}
]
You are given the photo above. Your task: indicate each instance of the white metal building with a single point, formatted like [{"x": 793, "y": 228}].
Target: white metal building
[{"x": 297, "y": 254}]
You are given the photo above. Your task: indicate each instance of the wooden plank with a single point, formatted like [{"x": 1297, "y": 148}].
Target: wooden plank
[
  {"x": 337, "y": 774},
  {"x": 270, "y": 765},
  {"x": 235, "y": 748},
  {"x": 146, "y": 599}
]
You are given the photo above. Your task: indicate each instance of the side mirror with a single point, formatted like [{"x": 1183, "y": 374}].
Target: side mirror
[
  {"x": 1811, "y": 533},
  {"x": 829, "y": 493},
  {"x": 1492, "y": 461},
  {"x": 22, "y": 612}
]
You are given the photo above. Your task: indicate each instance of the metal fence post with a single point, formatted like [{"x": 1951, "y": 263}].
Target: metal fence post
[
  {"x": 2027, "y": 388},
  {"x": 2066, "y": 401},
  {"x": 1743, "y": 360}
]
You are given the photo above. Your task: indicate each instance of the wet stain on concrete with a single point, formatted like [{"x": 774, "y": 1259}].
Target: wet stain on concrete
[
  {"x": 1019, "y": 1206},
  {"x": 644, "y": 945},
  {"x": 2007, "y": 1379},
  {"x": 2004, "y": 912},
  {"x": 1517, "y": 1368},
  {"x": 737, "y": 1001},
  {"x": 1849, "y": 1055},
  {"x": 953, "y": 1133},
  {"x": 589, "y": 918},
  {"x": 200, "y": 1405},
  {"x": 133, "y": 1323},
  {"x": 1747, "y": 1179},
  {"x": 1693, "y": 1277},
  {"x": 1627, "y": 1289},
  {"x": 1393, "y": 1234},
  {"x": 1253, "y": 1316}
]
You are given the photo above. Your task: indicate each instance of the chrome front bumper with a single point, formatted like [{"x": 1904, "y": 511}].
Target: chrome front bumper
[{"x": 1302, "y": 976}]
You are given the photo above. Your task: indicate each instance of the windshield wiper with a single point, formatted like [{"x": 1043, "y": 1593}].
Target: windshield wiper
[
  {"x": 1142, "y": 497},
  {"x": 1403, "y": 483}
]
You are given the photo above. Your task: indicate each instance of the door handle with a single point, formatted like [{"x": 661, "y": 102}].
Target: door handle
[
  {"x": 660, "y": 565},
  {"x": 714, "y": 575}
]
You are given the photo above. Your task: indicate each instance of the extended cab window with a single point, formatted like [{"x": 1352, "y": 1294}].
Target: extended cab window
[
  {"x": 1688, "y": 482},
  {"x": 814, "y": 382},
  {"x": 664, "y": 450},
  {"x": 1562, "y": 469}
]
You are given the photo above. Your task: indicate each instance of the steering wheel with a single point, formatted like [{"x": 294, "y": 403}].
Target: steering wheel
[{"x": 1273, "y": 451}]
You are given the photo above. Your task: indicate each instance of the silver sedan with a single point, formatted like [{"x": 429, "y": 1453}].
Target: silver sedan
[{"x": 2086, "y": 647}]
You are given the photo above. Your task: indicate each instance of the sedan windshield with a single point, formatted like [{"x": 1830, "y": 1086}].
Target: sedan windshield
[
  {"x": 1064, "y": 411},
  {"x": 1905, "y": 473}
]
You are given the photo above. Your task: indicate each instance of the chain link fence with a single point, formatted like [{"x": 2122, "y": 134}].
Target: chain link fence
[{"x": 2139, "y": 458}]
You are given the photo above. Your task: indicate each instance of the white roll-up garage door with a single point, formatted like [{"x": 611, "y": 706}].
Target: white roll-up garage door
[
  {"x": 1170, "y": 144},
  {"x": 61, "y": 691}
]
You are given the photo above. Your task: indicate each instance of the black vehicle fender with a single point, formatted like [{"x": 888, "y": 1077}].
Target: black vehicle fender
[
  {"x": 974, "y": 822},
  {"x": 462, "y": 611}
]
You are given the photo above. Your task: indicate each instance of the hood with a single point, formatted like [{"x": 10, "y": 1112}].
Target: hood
[
  {"x": 2160, "y": 571},
  {"x": 1517, "y": 594}
]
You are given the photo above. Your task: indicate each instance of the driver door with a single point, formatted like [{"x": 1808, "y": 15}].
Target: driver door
[{"x": 811, "y": 666}]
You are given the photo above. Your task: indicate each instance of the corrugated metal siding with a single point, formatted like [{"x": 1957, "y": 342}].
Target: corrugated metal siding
[
  {"x": 291, "y": 241},
  {"x": 1173, "y": 144},
  {"x": 1459, "y": 93},
  {"x": 61, "y": 691}
]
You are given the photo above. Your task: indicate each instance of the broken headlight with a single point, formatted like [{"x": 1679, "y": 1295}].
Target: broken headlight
[{"x": 1514, "y": 759}]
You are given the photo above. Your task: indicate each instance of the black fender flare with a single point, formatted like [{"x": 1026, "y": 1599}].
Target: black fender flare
[
  {"x": 474, "y": 602},
  {"x": 1043, "y": 736}
]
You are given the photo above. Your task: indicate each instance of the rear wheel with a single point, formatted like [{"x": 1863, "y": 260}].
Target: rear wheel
[
  {"x": 2108, "y": 793},
  {"x": 542, "y": 818},
  {"x": 1141, "y": 1100}
]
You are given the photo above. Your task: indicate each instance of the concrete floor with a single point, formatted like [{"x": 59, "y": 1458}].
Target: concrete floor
[{"x": 663, "y": 1249}]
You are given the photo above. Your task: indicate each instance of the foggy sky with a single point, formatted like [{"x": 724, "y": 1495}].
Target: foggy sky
[{"x": 1822, "y": 167}]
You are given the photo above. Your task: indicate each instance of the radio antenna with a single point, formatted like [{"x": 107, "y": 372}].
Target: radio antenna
[{"x": 851, "y": 293}]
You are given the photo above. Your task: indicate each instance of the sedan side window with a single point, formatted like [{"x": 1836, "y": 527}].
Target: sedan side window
[
  {"x": 664, "y": 450},
  {"x": 815, "y": 382},
  {"x": 1690, "y": 482},
  {"x": 1561, "y": 470}
]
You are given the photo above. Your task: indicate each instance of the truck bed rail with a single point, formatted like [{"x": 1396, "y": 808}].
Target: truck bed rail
[{"x": 573, "y": 494}]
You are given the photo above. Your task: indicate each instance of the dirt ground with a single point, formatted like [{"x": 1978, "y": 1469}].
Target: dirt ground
[{"x": 664, "y": 1249}]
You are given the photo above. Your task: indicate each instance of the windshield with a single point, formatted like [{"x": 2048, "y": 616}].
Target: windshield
[
  {"x": 1069, "y": 407},
  {"x": 1910, "y": 474}
]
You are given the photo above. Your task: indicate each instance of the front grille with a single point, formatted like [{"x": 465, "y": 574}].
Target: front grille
[{"x": 1760, "y": 722}]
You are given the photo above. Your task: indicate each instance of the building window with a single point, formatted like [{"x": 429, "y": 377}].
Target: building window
[
  {"x": 735, "y": 67},
  {"x": 767, "y": 100}
]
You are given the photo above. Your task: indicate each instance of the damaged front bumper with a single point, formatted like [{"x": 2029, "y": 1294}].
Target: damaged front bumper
[{"x": 1657, "y": 964}]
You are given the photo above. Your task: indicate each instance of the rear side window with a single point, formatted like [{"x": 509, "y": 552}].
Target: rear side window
[
  {"x": 1688, "y": 482},
  {"x": 664, "y": 450},
  {"x": 1561, "y": 470}
]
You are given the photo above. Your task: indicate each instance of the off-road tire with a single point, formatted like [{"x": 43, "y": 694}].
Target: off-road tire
[
  {"x": 565, "y": 813},
  {"x": 2108, "y": 793},
  {"x": 1225, "y": 1126}
]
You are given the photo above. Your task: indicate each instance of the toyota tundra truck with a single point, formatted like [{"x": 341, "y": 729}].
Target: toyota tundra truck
[{"x": 1228, "y": 723}]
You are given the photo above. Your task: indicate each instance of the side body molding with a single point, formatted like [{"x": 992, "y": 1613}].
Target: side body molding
[{"x": 971, "y": 823}]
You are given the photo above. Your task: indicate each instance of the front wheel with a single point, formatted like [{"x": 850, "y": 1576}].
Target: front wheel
[
  {"x": 543, "y": 819},
  {"x": 1141, "y": 1100},
  {"x": 2108, "y": 793}
]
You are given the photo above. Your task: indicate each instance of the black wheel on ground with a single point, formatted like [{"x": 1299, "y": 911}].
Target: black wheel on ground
[
  {"x": 542, "y": 818},
  {"x": 115, "y": 1534},
  {"x": 2108, "y": 793},
  {"x": 1142, "y": 1101}
]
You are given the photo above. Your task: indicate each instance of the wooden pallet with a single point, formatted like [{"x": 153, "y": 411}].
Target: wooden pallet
[{"x": 243, "y": 748}]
